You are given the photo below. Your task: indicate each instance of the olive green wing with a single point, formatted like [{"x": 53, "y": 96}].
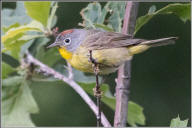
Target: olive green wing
[{"x": 96, "y": 40}]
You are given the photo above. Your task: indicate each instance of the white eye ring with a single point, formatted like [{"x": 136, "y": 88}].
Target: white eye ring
[{"x": 67, "y": 41}]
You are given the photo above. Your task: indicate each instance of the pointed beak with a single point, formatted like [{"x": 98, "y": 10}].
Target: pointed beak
[{"x": 53, "y": 45}]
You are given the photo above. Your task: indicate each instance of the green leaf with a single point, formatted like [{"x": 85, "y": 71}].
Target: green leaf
[
  {"x": 9, "y": 92},
  {"x": 115, "y": 21},
  {"x": 38, "y": 46},
  {"x": 176, "y": 122},
  {"x": 16, "y": 48},
  {"x": 13, "y": 33},
  {"x": 93, "y": 15},
  {"x": 18, "y": 14},
  {"x": 181, "y": 10},
  {"x": 83, "y": 77},
  {"x": 117, "y": 11},
  {"x": 43, "y": 53},
  {"x": 12, "y": 81},
  {"x": 135, "y": 114},
  {"x": 10, "y": 41},
  {"x": 152, "y": 9},
  {"x": 49, "y": 57},
  {"x": 6, "y": 70},
  {"x": 135, "y": 111},
  {"x": 10, "y": 60},
  {"x": 52, "y": 17},
  {"x": 16, "y": 110},
  {"x": 30, "y": 37},
  {"x": 38, "y": 11},
  {"x": 14, "y": 38},
  {"x": 117, "y": 7},
  {"x": 104, "y": 27},
  {"x": 5, "y": 29},
  {"x": 30, "y": 40}
]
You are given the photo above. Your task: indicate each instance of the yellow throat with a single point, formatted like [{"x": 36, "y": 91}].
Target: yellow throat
[{"x": 65, "y": 54}]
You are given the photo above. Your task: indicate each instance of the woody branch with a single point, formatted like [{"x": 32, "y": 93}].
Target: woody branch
[
  {"x": 29, "y": 59},
  {"x": 124, "y": 73}
]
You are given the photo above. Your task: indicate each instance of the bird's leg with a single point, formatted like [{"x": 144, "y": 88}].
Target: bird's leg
[
  {"x": 97, "y": 91},
  {"x": 91, "y": 59}
]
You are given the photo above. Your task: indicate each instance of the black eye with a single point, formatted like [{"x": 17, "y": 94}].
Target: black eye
[{"x": 67, "y": 40}]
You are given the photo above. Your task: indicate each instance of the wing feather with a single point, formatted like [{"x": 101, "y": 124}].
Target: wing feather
[{"x": 97, "y": 40}]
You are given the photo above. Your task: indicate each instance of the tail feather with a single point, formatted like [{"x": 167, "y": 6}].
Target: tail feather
[{"x": 160, "y": 42}]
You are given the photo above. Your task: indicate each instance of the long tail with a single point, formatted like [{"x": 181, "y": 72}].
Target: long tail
[
  {"x": 160, "y": 42},
  {"x": 143, "y": 46}
]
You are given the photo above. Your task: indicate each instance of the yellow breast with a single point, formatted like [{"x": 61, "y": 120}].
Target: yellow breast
[
  {"x": 65, "y": 54},
  {"x": 78, "y": 60}
]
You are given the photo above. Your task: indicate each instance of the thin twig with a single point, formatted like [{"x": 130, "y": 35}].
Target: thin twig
[
  {"x": 98, "y": 96},
  {"x": 97, "y": 90},
  {"x": 44, "y": 68},
  {"x": 124, "y": 73},
  {"x": 70, "y": 73}
]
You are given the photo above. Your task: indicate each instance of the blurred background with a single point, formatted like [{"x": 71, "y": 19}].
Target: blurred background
[{"x": 160, "y": 76}]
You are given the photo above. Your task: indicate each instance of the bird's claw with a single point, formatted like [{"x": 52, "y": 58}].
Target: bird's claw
[
  {"x": 96, "y": 68},
  {"x": 92, "y": 60},
  {"x": 97, "y": 93}
]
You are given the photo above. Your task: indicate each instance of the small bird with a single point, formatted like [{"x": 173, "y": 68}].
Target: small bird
[{"x": 109, "y": 49}]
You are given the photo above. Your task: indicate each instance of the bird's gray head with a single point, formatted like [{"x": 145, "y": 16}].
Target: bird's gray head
[{"x": 70, "y": 39}]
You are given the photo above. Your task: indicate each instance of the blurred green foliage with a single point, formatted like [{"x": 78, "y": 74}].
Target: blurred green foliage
[
  {"x": 163, "y": 74},
  {"x": 17, "y": 100},
  {"x": 112, "y": 14},
  {"x": 33, "y": 9},
  {"x": 178, "y": 123},
  {"x": 181, "y": 10}
]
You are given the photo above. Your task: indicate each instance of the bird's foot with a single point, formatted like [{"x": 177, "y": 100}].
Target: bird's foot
[
  {"x": 94, "y": 62},
  {"x": 96, "y": 68},
  {"x": 91, "y": 59},
  {"x": 97, "y": 92}
]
